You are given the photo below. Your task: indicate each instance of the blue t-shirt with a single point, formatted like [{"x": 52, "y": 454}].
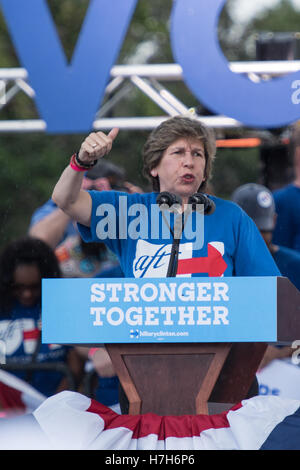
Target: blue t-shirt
[
  {"x": 288, "y": 262},
  {"x": 232, "y": 244},
  {"x": 46, "y": 209},
  {"x": 287, "y": 229},
  {"x": 20, "y": 332}
]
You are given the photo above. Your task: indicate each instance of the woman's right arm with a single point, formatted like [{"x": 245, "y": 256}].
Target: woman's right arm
[{"x": 67, "y": 193}]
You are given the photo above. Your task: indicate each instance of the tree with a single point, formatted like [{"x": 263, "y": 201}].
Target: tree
[{"x": 238, "y": 40}]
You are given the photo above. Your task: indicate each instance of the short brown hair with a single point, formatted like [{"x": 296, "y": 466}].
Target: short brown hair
[{"x": 169, "y": 131}]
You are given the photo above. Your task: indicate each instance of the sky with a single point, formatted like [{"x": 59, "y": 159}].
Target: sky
[{"x": 244, "y": 10}]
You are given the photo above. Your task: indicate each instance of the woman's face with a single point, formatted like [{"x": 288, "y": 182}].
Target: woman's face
[
  {"x": 181, "y": 169},
  {"x": 27, "y": 284}
]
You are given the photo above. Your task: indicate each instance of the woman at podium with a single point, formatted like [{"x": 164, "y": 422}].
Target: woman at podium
[
  {"x": 214, "y": 237},
  {"x": 178, "y": 155}
]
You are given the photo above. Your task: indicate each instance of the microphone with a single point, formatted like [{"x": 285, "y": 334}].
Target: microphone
[
  {"x": 168, "y": 200},
  {"x": 172, "y": 203},
  {"x": 201, "y": 198}
]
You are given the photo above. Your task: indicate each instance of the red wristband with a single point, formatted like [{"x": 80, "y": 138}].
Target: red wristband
[
  {"x": 91, "y": 352},
  {"x": 74, "y": 165}
]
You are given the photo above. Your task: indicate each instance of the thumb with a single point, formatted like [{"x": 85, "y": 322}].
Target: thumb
[{"x": 113, "y": 133}]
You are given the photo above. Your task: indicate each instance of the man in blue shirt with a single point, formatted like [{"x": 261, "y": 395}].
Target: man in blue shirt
[
  {"x": 52, "y": 225},
  {"x": 258, "y": 202},
  {"x": 287, "y": 203}
]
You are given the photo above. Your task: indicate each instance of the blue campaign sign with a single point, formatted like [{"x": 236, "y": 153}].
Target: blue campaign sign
[
  {"x": 171, "y": 310},
  {"x": 194, "y": 37},
  {"x": 68, "y": 95}
]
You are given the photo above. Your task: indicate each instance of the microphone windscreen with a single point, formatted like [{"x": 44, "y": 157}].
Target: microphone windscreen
[
  {"x": 168, "y": 199},
  {"x": 198, "y": 199}
]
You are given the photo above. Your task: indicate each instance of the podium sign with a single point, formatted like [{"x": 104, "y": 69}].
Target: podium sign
[{"x": 170, "y": 310}]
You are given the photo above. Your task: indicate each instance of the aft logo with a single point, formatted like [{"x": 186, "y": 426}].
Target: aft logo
[{"x": 152, "y": 260}]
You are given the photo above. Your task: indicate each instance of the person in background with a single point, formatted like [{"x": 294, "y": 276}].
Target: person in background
[
  {"x": 78, "y": 259},
  {"x": 258, "y": 202},
  {"x": 23, "y": 264},
  {"x": 52, "y": 225},
  {"x": 287, "y": 202}
]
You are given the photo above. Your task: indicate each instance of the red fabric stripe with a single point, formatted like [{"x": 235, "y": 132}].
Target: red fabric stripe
[
  {"x": 10, "y": 398},
  {"x": 162, "y": 426},
  {"x": 32, "y": 334}
]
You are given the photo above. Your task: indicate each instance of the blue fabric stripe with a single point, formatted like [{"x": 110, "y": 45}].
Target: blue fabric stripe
[{"x": 286, "y": 435}]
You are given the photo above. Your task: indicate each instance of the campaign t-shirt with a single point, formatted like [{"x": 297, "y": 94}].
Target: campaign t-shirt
[
  {"x": 20, "y": 331},
  {"x": 225, "y": 243},
  {"x": 46, "y": 209}
]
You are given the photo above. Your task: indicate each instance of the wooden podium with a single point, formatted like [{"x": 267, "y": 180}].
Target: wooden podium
[
  {"x": 189, "y": 378},
  {"x": 227, "y": 323}
]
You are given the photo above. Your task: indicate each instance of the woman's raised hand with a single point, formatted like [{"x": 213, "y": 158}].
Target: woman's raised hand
[{"x": 96, "y": 145}]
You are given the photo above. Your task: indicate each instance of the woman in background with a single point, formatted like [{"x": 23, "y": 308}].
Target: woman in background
[{"x": 23, "y": 264}]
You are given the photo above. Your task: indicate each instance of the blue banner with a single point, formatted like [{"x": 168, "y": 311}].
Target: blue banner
[
  {"x": 171, "y": 310},
  {"x": 68, "y": 94},
  {"x": 206, "y": 71}
]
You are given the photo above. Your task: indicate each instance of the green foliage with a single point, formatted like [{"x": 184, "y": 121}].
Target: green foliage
[
  {"x": 234, "y": 167},
  {"x": 238, "y": 41},
  {"x": 150, "y": 22},
  {"x": 68, "y": 16},
  {"x": 30, "y": 165}
]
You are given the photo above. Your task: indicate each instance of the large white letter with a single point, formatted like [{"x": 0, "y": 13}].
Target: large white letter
[
  {"x": 136, "y": 318},
  {"x": 113, "y": 288},
  {"x": 168, "y": 311},
  {"x": 202, "y": 315},
  {"x": 189, "y": 294},
  {"x": 97, "y": 292},
  {"x": 154, "y": 294},
  {"x": 189, "y": 315},
  {"x": 202, "y": 288},
  {"x": 221, "y": 289},
  {"x": 130, "y": 292},
  {"x": 221, "y": 314},
  {"x": 97, "y": 311},
  {"x": 120, "y": 316},
  {"x": 150, "y": 316}
]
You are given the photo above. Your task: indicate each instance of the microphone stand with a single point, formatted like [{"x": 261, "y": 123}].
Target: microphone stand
[
  {"x": 173, "y": 262},
  {"x": 168, "y": 201}
]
